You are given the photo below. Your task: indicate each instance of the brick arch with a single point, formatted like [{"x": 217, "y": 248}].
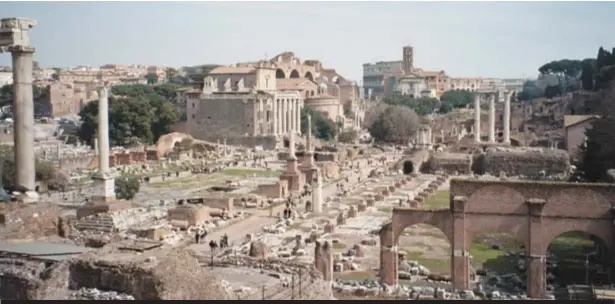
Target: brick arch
[
  {"x": 583, "y": 202},
  {"x": 501, "y": 202},
  {"x": 496, "y": 199},
  {"x": 405, "y": 218},
  {"x": 594, "y": 231}
]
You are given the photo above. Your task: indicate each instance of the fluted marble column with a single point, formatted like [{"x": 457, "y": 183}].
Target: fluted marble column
[
  {"x": 263, "y": 109},
  {"x": 274, "y": 113},
  {"x": 492, "y": 118},
  {"x": 477, "y": 117},
  {"x": 284, "y": 116},
  {"x": 298, "y": 117},
  {"x": 506, "y": 123},
  {"x": 291, "y": 117}
]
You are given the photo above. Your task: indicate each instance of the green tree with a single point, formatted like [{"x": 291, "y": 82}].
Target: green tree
[
  {"x": 152, "y": 78},
  {"x": 44, "y": 171},
  {"x": 167, "y": 90},
  {"x": 348, "y": 136},
  {"x": 530, "y": 91},
  {"x": 138, "y": 111},
  {"x": 422, "y": 106},
  {"x": 395, "y": 124},
  {"x": 587, "y": 74},
  {"x": 127, "y": 186},
  {"x": 457, "y": 98},
  {"x": 598, "y": 151},
  {"x": 445, "y": 107},
  {"x": 322, "y": 127}
]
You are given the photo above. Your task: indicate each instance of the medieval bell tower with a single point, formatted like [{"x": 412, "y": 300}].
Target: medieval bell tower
[{"x": 408, "y": 59}]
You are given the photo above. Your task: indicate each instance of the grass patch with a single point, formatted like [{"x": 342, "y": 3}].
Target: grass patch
[
  {"x": 434, "y": 265},
  {"x": 385, "y": 209},
  {"x": 355, "y": 275},
  {"x": 338, "y": 245},
  {"x": 250, "y": 172},
  {"x": 438, "y": 200},
  {"x": 182, "y": 182}
]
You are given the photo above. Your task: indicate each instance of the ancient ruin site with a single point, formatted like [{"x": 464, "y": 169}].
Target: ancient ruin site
[{"x": 277, "y": 185}]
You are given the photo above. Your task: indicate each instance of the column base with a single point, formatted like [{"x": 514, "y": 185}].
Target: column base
[{"x": 30, "y": 197}]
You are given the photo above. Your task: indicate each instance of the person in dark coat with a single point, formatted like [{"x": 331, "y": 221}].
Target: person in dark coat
[{"x": 196, "y": 237}]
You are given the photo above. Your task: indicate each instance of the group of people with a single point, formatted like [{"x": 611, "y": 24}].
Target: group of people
[{"x": 201, "y": 238}]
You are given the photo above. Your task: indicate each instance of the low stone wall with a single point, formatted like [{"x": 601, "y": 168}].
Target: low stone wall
[
  {"x": 527, "y": 163},
  {"x": 450, "y": 163}
]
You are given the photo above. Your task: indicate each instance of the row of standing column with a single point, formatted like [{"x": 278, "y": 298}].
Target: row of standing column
[
  {"x": 506, "y": 119},
  {"x": 286, "y": 116}
]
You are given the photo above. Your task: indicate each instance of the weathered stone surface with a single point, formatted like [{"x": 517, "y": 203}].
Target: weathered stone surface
[
  {"x": 258, "y": 249},
  {"x": 162, "y": 274}
]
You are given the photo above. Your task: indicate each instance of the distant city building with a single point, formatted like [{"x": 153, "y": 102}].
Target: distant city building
[
  {"x": 385, "y": 77},
  {"x": 374, "y": 73}
]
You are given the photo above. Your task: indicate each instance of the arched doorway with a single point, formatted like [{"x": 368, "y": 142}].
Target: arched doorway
[
  {"x": 294, "y": 74},
  {"x": 408, "y": 167},
  {"x": 309, "y": 76},
  {"x": 279, "y": 74},
  {"x": 576, "y": 258}
]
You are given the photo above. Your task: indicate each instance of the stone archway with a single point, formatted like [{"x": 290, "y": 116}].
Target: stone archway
[
  {"x": 294, "y": 74},
  {"x": 279, "y": 74},
  {"x": 534, "y": 212},
  {"x": 309, "y": 76},
  {"x": 408, "y": 167}
]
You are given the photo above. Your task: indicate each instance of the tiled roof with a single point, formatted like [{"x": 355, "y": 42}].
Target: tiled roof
[{"x": 570, "y": 120}]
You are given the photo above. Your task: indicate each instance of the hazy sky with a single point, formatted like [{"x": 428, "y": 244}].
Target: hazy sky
[{"x": 489, "y": 39}]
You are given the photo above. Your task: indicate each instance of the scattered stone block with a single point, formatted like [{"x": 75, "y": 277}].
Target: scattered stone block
[
  {"x": 258, "y": 249},
  {"x": 329, "y": 227},
  {"x": 341, "y": 219},
  {"x": 362, "y": 207},
  {"x": 352, "y": 212},
  {"x": 369, "y": 242}
]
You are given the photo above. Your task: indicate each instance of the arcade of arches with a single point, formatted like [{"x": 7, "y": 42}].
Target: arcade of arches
[
  {"x": 536, "y": 213},
  {"x": 280, "y": 74}
]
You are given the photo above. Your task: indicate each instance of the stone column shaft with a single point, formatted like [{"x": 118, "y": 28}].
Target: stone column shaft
[
  {"x": 477, "y": 117},
  {"x": 308, "y": 137},
  {"x": 103, "y": 131},
  {"x": 274, "y": 113},
  {"x": 492, "y": 118},
  {"x": 506, "y": 122},
  {"x": 96, "y": 152},
  {"x": 23, "y": 113},
  {"x": 284, "y": 116},
  {"x": 298, "y": 117},
  {"x": 263, "y": 110}
]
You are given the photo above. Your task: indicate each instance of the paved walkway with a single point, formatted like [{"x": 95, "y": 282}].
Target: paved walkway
[{"x": 255, "y": 223}]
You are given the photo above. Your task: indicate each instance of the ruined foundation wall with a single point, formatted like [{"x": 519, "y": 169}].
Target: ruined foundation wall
[
  {"x": 450, "y": 163},
  {"x": 168, "y": 274},
  {"x": 26, "y": 280},
  {"x": 527, "y": 162}
]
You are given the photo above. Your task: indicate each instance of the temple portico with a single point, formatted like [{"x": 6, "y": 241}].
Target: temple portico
[{"x": 492, "y": 132}]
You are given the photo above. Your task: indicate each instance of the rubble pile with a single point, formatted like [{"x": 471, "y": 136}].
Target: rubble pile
[
  {"x": 95, "y": 294},
  {"x": 30, "y": 221}
]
